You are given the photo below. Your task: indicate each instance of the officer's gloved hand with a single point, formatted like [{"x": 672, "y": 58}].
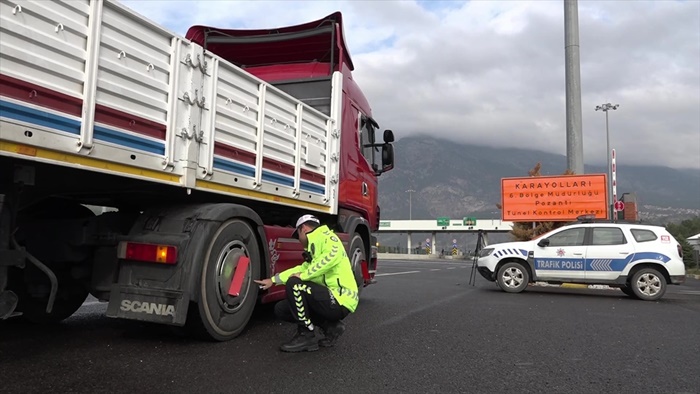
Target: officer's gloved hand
[{"x": 306, "y": 255}]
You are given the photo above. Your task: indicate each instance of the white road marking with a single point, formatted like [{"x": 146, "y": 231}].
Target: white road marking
[
  {"x": 451, "y": 268},
  {"x": 436, "y": 269},
  {"x": 691, "y": 292},
  {"x": 398, "y": 273}
]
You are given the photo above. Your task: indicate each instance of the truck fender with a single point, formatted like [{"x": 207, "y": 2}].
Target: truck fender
[
  {"x": 208, "y": 219},
  {"x": 358, "y": 224},
  {"x": 191, "y": 228}
]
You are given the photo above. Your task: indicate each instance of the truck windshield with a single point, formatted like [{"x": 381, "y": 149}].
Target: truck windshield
[{"x": 315, "y": 93}]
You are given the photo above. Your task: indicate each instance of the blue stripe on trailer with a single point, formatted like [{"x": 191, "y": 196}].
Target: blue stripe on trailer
[
  {"x": 72, "y": 126},
  {"x": 312, "y": 187},
  {"x": 268, "y": 176},
  {"x": 39, "y": 117},
  {"x": 277, "y": 178},
  {"x": 234, "y": 167},
  {"x": 108, "y": 135}
]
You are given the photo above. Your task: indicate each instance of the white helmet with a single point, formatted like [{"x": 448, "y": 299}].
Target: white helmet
[{"x": 302, "y": 220}]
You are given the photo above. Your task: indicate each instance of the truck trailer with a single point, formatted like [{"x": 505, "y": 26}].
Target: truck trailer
[{"x": 163, "y": 174}]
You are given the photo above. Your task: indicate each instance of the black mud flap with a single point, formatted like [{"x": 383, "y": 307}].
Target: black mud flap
[{"x": 151, "y": 305}]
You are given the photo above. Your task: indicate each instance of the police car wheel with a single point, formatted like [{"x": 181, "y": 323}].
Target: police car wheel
[
  {"x": 222, "y": 317},
  {"x": 648, "y": 284},
  {"x": 628, "y": 291},
  {"x": 512, "y": 277},
  {"x": 357, "y": 256}
]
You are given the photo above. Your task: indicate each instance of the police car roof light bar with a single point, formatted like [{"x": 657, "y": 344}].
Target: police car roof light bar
[{"x": 589, "y": 218}]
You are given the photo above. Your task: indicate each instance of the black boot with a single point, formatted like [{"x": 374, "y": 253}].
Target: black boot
[
  {"x": 332, "y": 331},
  {"x": 304, "y": 341}
]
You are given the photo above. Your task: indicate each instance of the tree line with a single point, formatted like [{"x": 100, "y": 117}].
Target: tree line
[{"x": 681, "y": 232}]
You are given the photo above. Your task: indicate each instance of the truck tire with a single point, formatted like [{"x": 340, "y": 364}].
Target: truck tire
[
  {"x": 217, "y": 315},
  {"x": 71, "y": 293},
  {"x": 70, "y": 297},
  {"x": 648, "y": 284},
  {"x": 357, "y": 256},
  {"x": 512, "y": 277}
]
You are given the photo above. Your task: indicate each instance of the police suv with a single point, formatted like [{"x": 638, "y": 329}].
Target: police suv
[{"x": 639, "y": 259}]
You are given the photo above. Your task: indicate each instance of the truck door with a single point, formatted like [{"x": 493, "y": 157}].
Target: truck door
[
  {"x": 608, "y": 253},
  {"x": 361, "y": 190},
  {"x": 564, "y": 257}
]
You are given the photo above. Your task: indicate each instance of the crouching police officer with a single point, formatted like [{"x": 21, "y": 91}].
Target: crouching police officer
[{"x": 321, "y": 291}]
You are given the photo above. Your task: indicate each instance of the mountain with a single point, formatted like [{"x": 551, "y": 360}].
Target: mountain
[{"x": 457, "y": 180}]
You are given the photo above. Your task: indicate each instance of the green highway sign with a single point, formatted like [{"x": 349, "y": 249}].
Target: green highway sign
[
  {"x": 469, "y": 221},
  {"x": 442, "y": 221}
]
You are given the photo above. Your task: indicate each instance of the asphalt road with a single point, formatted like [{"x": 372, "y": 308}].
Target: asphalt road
[{"x": 421, "y": 329}]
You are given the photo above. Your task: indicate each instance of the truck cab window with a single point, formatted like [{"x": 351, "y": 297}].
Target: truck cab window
[{"x": 367, "y": 138}]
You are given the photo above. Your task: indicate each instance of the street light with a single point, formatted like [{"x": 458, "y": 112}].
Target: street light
[
  {"x": 410, "y": 208},
  {"x": 605, "y": 108}
]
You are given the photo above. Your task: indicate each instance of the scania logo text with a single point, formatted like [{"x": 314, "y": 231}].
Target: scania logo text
[{"x": 150, "y": 308}]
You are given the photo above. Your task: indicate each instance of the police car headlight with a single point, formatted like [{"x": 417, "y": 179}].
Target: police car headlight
[{"x": 485, "y": 252}]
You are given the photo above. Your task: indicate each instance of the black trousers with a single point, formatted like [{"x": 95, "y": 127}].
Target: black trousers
[{"x": 309, "y": 303}]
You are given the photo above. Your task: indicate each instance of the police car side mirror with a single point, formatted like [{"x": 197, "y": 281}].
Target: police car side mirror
[{"x": 543, "y": 242}]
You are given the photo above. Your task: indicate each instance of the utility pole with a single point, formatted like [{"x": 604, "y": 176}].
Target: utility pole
[
  {"x": 574, "y": 133},
  {"x": 605, "y": 108},
  {"x": 410, "y": 208}
]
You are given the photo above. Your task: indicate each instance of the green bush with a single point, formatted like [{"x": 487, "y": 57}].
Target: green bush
[{"x": 682, "y": 231}]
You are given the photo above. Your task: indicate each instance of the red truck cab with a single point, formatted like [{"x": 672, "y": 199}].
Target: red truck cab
[{"x": 301, "y": 60}]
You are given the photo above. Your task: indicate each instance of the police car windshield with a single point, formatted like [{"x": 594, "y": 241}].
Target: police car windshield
[{"x": 544, "y": 235}]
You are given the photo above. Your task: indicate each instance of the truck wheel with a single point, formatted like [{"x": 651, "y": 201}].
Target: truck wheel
[
  {"x": 648, "y": 284},
  {"x": 222, "y": 317},
  {"x": 30, "y": 284},
  {"x": 70, "y": 297},
  {"x": 357, "y": 256},
  {"x": 512, "y": 277}
]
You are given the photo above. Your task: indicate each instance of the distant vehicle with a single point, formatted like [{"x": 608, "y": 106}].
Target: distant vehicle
[{"x": 641, "y": 260}]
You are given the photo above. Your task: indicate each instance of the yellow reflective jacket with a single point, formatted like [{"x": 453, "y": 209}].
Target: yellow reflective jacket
[{"x": 329, "y": 267}]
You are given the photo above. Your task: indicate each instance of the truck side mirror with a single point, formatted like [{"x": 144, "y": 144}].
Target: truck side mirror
[
  {"x": 388, "y": 136},
  {"x": 387, "y": 156},
  {"x": 543, "y": 242}
]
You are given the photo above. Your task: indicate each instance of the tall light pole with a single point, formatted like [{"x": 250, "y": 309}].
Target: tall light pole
[
  {"x": 605, "y": 108},
  {"x": 572, "y": 71},
  {"x": 410, "y": 208}
]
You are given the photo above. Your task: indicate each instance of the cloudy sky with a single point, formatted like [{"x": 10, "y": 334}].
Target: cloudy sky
[{"x": 492, "y": 72}]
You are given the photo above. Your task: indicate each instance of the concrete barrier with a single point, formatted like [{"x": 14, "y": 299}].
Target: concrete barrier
[{"x": 399, "y": 256}]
